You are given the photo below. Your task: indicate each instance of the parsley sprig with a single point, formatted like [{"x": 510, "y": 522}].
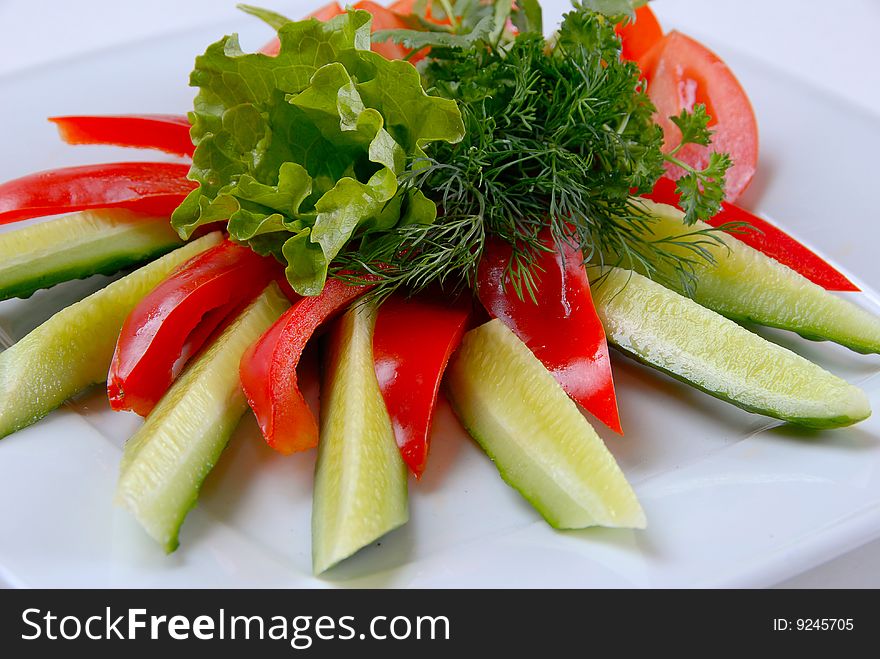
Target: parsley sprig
[{"x": 701, "y": 190}]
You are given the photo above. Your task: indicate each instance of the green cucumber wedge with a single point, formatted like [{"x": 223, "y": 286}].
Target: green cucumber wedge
[
  {"x": 746, "y": 285},
  {"x": 77, "y": 246},
  {"x": 700, "y": 347},
  {"x": 539, "y": 440},
  {"x": 360, "y": 489},
  {"x": 72, "y": 350},
  {"x": 166, "y": 461}
]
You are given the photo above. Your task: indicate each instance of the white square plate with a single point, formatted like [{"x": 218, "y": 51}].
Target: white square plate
[{"x": 731, "y": 498}]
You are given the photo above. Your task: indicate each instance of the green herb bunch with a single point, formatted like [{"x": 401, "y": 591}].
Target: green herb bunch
[
  {"x": 340, "y": 162},
  {"x": 558, "y": 134}
]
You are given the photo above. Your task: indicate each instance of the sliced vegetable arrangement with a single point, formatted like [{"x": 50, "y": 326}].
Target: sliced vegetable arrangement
[{"x": 455, "y": 198}]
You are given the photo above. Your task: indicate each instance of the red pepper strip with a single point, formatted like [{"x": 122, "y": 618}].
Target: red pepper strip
[
  {"x": 165, "y": 132},
  {"x": 562, "y": 328},
  {"x": 766, "y": 238},
  {"x": 147, "y": 187},
  {"x": 268, "y": 368},
  {"x": 176, "y": 318},
  {"x": 210, "y": 323},
  {"x": 412, "y": 343}
]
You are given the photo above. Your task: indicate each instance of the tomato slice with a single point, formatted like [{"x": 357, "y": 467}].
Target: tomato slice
[
  {"x": 404, "y": 7},
  {"x": 324, "y": 13},
  {"x": 681, "y": 72},
  {"x": 385, "y": 19},
  {"x": 639, "y": 36},
  {"x": 165, "y": 132}
]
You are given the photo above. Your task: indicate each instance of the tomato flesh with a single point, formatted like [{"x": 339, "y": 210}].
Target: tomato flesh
[{"x": 681, "y": 73}]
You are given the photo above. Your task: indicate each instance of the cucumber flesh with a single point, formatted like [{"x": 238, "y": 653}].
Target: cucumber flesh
[
  {"x": 360, "y": 490},
  {"x": 165, "y": 463},
  {"x": 78, "y": 246},
  {"x": 746, "y": 285},
  {"x": 72, "y": 350},
  {"x": 539, "y": 440},
  {"x": 678, "y": 336}
]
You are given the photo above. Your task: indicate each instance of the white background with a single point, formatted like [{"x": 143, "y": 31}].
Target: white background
[{"x": 831, "y": 49}]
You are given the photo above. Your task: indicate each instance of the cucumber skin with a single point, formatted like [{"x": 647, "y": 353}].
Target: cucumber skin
[
  {"x": 159, "y": 481},
  {"x": 547, "y": 512},
  {"x": 120, "y": 239},
  {"x": 811, "y": 311},
  {"x": 562, "y": 509},
  {"x": 342, "y": 521},
  {"x": 48, "y": 366},
  {"x": 25, "y": 288},
  {"x": 606, "y": 313},
  {"x": 826, "y": 423}
]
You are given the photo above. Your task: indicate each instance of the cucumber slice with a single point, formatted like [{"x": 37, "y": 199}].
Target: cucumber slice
[
  {"x": 166, "y": 461},
  {"x": 73, "y": 349},
  {"x": 541, "y": 443},
  {"x": 360, "y": 479},
  {"x": 746, "y": 285},
  {"x": 77, "y": 246},
  {"x": 678, "y": 336}
]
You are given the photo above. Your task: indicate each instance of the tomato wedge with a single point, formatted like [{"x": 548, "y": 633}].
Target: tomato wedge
[
  {"x": 767, "y": 238},
  {"x": 681, "y": 72},
  {"x": 165, "y": 132},
  {"x": 561, "y": 328},
  {"x": 384, "y": 18},
  {"x": 639, "y": 36},
  {"x": 268, "y": 368},
  {"x": 324, "y": 13},
  {"x": 177, "y": 317},
  {"x": 412, "y": 342},
  {"x": 147, "y": 187}
]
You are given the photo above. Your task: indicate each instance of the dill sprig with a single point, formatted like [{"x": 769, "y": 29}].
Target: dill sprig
[{"x": 557, "y": 134}]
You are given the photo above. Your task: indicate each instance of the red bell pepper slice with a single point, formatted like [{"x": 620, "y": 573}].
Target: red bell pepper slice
[
  {"x": 268, "y": 368},
  {"x": 768, "y": 239},
  {"x": 146, "y": 187},
  {"x": 173, "y": 321},
  {"x": 412, "y": 343},
  {"x": 165, "y": 132},
  {"x": 561, "y": 328}
]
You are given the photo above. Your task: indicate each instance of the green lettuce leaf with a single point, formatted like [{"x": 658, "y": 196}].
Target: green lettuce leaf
[{"x": 303, "y": 152}]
